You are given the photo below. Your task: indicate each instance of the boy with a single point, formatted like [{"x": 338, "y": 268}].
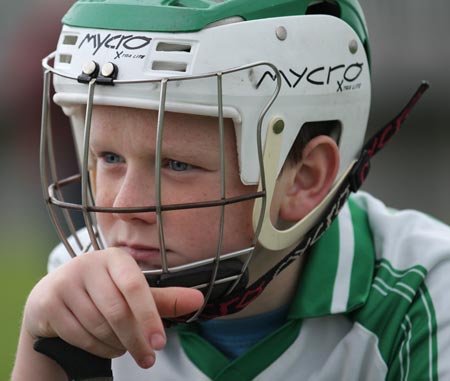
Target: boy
[{"x": 218, "y": 141}]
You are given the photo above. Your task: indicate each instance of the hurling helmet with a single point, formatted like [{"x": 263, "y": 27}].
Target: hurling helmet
[{"x": 270, "y": 66}]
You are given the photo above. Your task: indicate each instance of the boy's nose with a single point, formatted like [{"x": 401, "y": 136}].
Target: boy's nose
[{"x": 136, "y": 190}]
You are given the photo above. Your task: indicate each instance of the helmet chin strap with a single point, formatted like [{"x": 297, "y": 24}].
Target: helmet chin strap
[{"x": 319, "y": 219}]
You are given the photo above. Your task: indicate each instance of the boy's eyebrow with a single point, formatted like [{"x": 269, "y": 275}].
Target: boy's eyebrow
[
  {"x": 192, "y": 150},
  {"x": 198, "y": 144}
]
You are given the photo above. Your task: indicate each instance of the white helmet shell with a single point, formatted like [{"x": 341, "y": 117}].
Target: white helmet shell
[{"x": 322, "y": 63}]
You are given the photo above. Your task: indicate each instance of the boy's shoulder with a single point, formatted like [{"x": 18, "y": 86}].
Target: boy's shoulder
[
  {"x": 405, "y": 238},
  {"x": 407, "y": 308},
  {"x": 386, "y": 271},
  {"x": 366, "y": 238}
]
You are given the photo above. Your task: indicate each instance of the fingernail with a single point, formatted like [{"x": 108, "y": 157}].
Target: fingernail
[
  {"x": 157, "y": 341},
  {"x": 147, "y": 362}
]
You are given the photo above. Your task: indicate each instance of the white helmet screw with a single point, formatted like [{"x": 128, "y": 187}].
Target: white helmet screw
[
  {"x": 281, "y": 33},
  {"x": 353, "y": 46}
]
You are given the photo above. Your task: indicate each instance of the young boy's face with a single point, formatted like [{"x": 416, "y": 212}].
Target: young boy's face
[{"x": 123, "y": 144}]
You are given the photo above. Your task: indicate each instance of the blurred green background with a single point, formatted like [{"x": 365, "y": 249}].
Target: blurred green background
[
  {"x": 28, "y": 31},
  {"x": 409, "y": 40}
]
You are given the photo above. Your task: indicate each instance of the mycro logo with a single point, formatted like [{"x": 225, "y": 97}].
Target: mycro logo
[
  {"x": 118, "y": 42},
  {"x": 343, "y": 75}
]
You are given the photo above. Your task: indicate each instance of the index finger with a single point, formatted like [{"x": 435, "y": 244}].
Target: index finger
[{"x": 133, "y": 286}]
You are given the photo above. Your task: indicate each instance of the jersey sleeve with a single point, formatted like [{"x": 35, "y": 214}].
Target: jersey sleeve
[
  {"x": 423, "y": 344},
  {"x": 409, "y": 304}
]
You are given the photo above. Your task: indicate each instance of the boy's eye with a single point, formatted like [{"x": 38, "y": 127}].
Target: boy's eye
[
  {"x": 178, "y": 166},
  {"x": 112, "y": 158}
]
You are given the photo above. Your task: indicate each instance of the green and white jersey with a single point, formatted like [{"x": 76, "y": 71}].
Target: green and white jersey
[{"x": 372, "y": 304}]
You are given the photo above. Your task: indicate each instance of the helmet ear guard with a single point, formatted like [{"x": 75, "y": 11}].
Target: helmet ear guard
[
  {"x": 268, "y": 235},
  {"x": 311, "y": 227}
]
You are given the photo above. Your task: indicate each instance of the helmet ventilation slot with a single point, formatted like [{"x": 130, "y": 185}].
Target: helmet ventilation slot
[
  {"x": 70, "y": 39},
  {"x": 199, "y": 4},
  {"x": 65, "y": 58},
  {"x": 169, "y": 66},
  {"x": 324, "y": 7},
  {"x": 173, "y": 47}
]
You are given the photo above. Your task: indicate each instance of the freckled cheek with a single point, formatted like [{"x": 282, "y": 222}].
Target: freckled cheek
[
  {"x": 105, "y": 221},
  {"x": 195, "y": 229},
  {"x": 239, "y": 229},
  {"x": 195, "y": 232},
  {"x": 200, "y": 229},
  {"x": 105, "y": 191},
  {"x": 104, "y": 198}
]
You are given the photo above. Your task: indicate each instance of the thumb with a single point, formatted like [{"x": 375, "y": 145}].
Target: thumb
[{"x": 177, "y": 301}]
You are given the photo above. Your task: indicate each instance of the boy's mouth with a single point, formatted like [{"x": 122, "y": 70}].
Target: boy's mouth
[{"x": 147, "y": 257}]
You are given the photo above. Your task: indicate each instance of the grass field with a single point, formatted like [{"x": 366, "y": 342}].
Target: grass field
[{"x": 18, "y": 274}]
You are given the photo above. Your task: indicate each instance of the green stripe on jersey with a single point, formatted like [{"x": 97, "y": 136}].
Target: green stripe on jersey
[
  {"x": 418, "y": 361},
  {"x": 400, "y": 312},
  {"x": 315, "y": 290},
  {"x": 332, "y": 262},
  {"x": 364, "y": 256}
]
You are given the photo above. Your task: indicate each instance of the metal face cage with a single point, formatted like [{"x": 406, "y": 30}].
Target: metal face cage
[{"x": 215, "y": 276}]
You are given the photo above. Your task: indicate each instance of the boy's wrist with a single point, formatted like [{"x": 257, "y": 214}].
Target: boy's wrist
[{"x": 31, "y": 365}]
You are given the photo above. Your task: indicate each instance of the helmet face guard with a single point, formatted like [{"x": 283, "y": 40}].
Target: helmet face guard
[
  {"x": 214, "y": 276},
  {"x": 270, "y": 76}
]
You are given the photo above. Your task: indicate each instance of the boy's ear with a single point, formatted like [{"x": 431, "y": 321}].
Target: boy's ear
[{"x": 308, "y": 181}]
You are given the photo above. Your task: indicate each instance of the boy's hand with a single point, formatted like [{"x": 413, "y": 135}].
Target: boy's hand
[{"x": 101, "y": 302}]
